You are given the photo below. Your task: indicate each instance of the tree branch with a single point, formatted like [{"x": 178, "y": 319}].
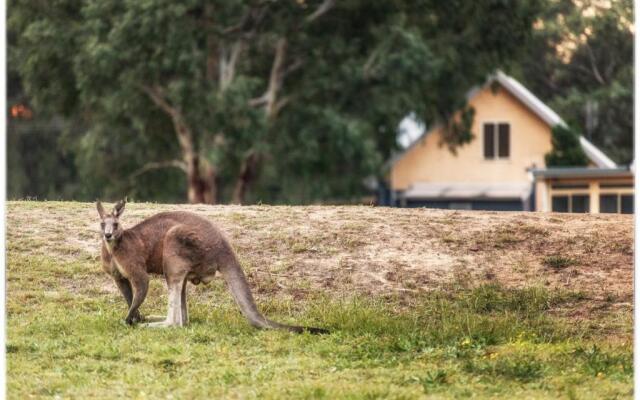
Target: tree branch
[
  {"x": 269, "y": 98},
  {"x": 182, "y": 129},
  {"x": 294, "y": 66},
  {"x": 586, "y": 70},
  {"x": 258, "y": 101},
  {"x": 158, "y": 165},
  {"x": 321, "y": 10},
  {"x": 228, "y": 64},
  {"x": 276, "y": 77},
  {"x": 240, "y": 25},
  {"x": 594, "y": 66},
  {"x": 280, "y": 104},
  {"x": 243, "y": 31}
]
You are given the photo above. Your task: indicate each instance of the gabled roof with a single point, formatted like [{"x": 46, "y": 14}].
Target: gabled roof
[
  {"x": 536, "y": 106},
  {"x": 527, "y": 98}
]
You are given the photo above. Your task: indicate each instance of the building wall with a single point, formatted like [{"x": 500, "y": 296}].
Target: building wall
[
  {"x": 530, "y": 140},
  {"x": 592, "y": 187}
]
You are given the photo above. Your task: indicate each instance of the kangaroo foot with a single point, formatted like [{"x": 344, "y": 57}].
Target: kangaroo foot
[
  {"x": 162, "y": 324},
  {"x": 159, "y": 324},
  {"x": 155, "y": 318}
]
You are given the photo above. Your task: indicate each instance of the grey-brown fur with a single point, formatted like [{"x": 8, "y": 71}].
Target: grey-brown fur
[{"x": 183, "y": 247}]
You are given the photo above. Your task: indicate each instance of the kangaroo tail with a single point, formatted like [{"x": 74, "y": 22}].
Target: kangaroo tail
[{"x": 237, "y": 283}]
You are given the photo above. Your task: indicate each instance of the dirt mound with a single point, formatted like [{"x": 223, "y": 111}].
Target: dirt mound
[{"x": 378, "y": 251}]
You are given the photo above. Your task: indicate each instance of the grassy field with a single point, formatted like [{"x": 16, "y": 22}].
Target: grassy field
[{"x": 421, "y": 304}]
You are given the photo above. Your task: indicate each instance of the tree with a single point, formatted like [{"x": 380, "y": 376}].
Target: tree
[
  {"x": 566, "y": 150},
  {"x": 37, "y": 164},
  {"x": 234, "y": 94},
  {"x": 581, "y": 64}
]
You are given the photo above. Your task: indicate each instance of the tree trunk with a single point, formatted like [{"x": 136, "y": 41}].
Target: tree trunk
[
  {"x": 248, "y": 172},
  {"x": 201, "y": 176},
  {"x": 202, "y": 186}
]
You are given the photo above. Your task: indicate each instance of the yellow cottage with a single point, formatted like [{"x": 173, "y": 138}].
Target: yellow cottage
[{"x": 503, "y": 167}]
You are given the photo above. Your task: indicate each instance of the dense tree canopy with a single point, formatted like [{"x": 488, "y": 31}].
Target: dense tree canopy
[
  {"x": 281, "y": 101},
  {"x": 580, "y": 62}
]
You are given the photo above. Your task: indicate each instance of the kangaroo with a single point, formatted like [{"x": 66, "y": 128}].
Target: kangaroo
[{"x": 183, "y": 247}]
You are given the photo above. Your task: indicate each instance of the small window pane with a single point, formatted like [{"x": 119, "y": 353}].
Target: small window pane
[
  {"x": 608, "y": 203},
  {"x": 560, "y": 204},
  {"x": 580, "y": 203},
  {"x": 489, "y": 136},
  {"x": 627, "y": 204},
  {"x": 503, "y": 140}
]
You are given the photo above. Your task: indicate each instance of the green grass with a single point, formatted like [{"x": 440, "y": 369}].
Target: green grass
[
  {"x": 558, "y": 261},
  {"x": 66, "y": 338}
]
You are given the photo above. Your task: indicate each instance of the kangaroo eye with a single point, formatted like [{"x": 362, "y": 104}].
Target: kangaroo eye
[
  {"x": 115, "y": 226},
  {"x": 102, "y": 225}
]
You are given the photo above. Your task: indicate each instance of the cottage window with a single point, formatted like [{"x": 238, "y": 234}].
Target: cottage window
[
  {"x": 616, "y": 203},
  {"x": 626, "y": 204},
  {"x": 575, "y": 203},
  {"x": 496, "y": 140},
  {"x": 560, "y": 204}
]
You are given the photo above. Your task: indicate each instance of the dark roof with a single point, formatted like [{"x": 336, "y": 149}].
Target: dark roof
[{"x": 582, "y": 172}]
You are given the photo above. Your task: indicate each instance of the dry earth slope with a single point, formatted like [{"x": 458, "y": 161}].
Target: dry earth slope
[{"x": 294, "y": 251}]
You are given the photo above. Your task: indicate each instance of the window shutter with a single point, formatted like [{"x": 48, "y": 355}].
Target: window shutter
[
  {"x": 489, "y": 144},
  {"x": 503, "y": 140}
]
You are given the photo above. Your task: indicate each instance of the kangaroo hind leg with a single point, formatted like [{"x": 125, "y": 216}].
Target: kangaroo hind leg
[
  {"x": 176, "y": 312},
  {"x": 176, "y": 308},
  {"x": 183, "y": 304},
  {"x": 175, "y": 272}
]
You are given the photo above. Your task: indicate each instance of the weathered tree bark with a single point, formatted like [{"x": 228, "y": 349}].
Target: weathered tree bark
[
  {"x": 271, "y": 104},
  {"x": 248, "y": 172},
  {"x": 269, "y": 100},
  {"x": 201, "y": 179}
]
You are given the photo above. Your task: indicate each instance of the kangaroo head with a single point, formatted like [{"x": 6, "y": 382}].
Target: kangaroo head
[{"x": 109, "y": 224}]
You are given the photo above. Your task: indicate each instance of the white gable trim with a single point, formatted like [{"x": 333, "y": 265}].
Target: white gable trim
[
  {"x": 534, "y": 104},
  {"x": 595, "y": 154},
  {"x": 528, "y": 99}
]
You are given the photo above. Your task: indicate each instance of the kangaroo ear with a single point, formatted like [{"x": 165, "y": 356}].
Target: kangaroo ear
[
  {"x": 100, "y": 208},
  {"x": 118, "y": 209}
]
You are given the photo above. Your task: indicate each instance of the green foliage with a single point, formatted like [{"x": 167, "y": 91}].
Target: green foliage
[
  {"x": 348, "y": 79},
  {"x": 566, "y": 150},
  {"x": 524, "y": 368},
  {"x": 580, "y": 62},
  {"x": 434, "y": 378},
  {"x": 597, "y": 362},
  {"x": 558, "y": 261},
  {"x": 36, "y": 163}
]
